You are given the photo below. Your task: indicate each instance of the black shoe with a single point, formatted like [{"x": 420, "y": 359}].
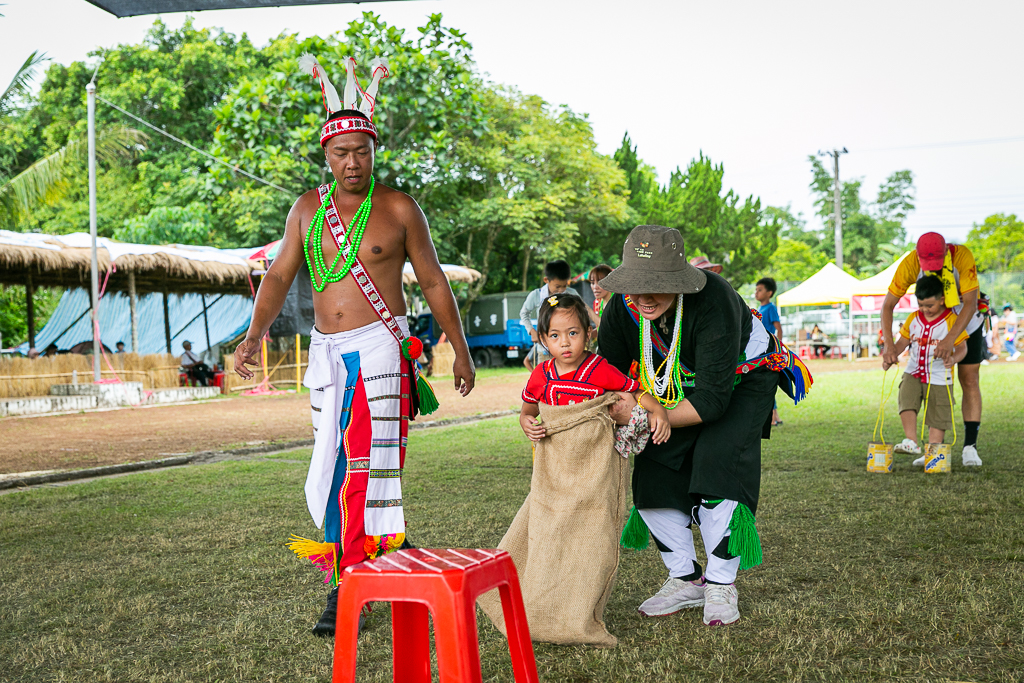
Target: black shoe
[
  {"x": 329, "y": 619},
  {"x": 325, "y": 627},
  {"x": 406, "y": 545}
]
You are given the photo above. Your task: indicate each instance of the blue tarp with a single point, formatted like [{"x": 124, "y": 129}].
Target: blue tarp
[{"x": 228, "y": 317}]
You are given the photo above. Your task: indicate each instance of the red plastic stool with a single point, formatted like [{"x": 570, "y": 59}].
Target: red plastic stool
[
  {"x": 805, "y": 352},
  {"x": 447, "y": 582}
]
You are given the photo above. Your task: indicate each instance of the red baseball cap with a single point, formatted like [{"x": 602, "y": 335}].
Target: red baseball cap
[{"x": 931, "y": 251}]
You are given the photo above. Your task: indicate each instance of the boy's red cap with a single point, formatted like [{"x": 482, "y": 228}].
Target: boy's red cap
[{"x": 931, "y": 251}]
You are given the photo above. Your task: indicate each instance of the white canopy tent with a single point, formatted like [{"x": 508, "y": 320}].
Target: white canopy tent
[{"x": 830, "y": 285}]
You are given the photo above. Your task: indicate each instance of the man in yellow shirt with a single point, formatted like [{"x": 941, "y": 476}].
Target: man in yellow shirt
[{"x": 954, "y": 265}]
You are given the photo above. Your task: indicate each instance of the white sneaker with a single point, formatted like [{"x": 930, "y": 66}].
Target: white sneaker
[
  {"x": 675, "y": 595},
  {"x": 970, "y": 457},
  {"x": 720, "y": 604},
  {"x": 919, "y": 462},
  {"x": 1014, "y": 356},
  {"x": 908, "y": 446}
]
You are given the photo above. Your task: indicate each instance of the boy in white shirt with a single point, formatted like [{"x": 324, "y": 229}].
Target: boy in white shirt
[
  {"x": 927, "y": 378},
  {"x": 556, "y": 281}
]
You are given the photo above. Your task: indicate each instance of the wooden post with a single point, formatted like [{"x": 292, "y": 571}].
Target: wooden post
[
  {"x": 30, "y": 311},
  {"x": 298, "y": 363},
  {"x": 167, "y": 324},
  {"x": 263, "y": 344},
  {"x": 206, "y": 324},
  {"x": 133, "y": 301}
]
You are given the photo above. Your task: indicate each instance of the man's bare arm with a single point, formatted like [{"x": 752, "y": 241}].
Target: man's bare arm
[
  {"x": 888, "y": 353},
  {"x": 272, "y": 292},
  {"x": 420, "y": 249}
]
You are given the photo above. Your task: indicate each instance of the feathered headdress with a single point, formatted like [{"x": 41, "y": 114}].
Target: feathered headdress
[{"x": 332, "y": 103}]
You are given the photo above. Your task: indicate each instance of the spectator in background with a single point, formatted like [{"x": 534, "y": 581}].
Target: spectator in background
[
  {"x": 50, "y": 351},
  {"x": 704, "y": 264},
  {"x": 1010, "y": 332},
  {"x": 556, "y": 281},
  {"x": 119, "y": 347},
  {"x": 818, "y": 341},
  {"x": 194, "y": 366},
  {"x": 764, "y": 291},
  {"x": 33, "y": 353},
  {"x": 601, "y": 296}
]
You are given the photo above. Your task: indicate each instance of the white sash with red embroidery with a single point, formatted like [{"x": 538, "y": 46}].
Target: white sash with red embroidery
[{"x": 363, "y": 279}]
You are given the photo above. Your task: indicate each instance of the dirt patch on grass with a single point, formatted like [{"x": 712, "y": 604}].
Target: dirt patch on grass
[{"x": 133, "y": 434}]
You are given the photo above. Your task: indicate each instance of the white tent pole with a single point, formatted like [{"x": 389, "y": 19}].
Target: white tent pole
[
  {"x": 90, "y": 90},
  {"x": 851, "y": 328}
]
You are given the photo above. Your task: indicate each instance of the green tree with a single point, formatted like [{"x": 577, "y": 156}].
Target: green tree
[
  {"x": 168, "y": 225},
  {"x": 641, "y": 180},
  {"x": 795, "y": 260},
  {"x": 998, "y": 243},
  {"x": 269, "y": 123},
  {"x": 715, "y": 222},
  {"x": 173, "y": 79},
  {"x": 531, "y": 189},
  {"x": 14, "y": 315},
  {"x": 873, "y": 235}
]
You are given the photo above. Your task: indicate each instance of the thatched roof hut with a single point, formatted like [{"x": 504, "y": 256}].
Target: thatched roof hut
[{"x": 65, "y": 261}]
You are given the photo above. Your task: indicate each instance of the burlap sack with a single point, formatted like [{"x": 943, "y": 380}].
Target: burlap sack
[{"x": 565, "y": 538}]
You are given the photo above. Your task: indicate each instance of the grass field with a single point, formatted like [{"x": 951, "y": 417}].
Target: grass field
[{"x": 183, "y": 575}]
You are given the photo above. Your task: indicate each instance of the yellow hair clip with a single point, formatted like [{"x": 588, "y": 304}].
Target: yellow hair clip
[{"x": 552, "y": 301}]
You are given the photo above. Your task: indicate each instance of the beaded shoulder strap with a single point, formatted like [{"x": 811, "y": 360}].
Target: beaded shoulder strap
[
  {"x": 363, "y": 279},
  {"x": 333, "y": 219}
]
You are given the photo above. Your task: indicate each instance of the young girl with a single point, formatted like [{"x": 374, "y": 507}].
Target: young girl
[
  {"x": 573, "y": 374},
  {"x": 578, "y": 485}
]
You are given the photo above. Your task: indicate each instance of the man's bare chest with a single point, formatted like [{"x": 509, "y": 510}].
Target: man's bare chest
[{"x": 380, "y": 242}]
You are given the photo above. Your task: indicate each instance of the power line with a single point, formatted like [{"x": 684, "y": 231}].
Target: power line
[
  {"x": 955, "y": 143},
  {"x": 192, "y": 147}
]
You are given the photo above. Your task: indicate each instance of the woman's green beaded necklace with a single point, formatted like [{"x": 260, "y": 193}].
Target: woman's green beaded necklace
[{"x": 317, "y": 265}]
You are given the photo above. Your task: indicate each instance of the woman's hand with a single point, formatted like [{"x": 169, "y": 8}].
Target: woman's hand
[
  {"x": 661, "y": 430},
  {"x": 532, "y": 427}
]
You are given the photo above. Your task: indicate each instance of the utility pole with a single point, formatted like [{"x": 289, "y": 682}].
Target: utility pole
[
  {"x": 90, "y": 90},
  {"x": 838, "y": 199}
]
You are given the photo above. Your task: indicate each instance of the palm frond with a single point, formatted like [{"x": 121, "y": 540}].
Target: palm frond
[
  {"x": 45, "y": 181},
  {"x": 19, "y": 84}
]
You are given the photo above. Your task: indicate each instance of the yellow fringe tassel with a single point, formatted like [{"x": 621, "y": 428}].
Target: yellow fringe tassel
[{"x": 306, "y": 548}]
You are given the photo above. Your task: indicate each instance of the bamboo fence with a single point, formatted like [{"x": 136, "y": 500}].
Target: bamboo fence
[
  {"x": 21, "y": 377},
  {"x": 280, "y": 368}
]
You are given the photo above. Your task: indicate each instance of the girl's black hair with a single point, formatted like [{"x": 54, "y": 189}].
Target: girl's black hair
[{"x": 566, "y": 302}]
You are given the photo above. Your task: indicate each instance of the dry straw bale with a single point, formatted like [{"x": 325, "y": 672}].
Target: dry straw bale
[{"x": 20, "y": 377}]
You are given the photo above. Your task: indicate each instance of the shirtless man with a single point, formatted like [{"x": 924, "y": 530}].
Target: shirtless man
[
  {"x": 396, "y": 231},
  {"x": 362, "y": 385}
]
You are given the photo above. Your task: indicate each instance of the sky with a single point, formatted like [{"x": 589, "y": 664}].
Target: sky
[{"x": 934, "y": 87}]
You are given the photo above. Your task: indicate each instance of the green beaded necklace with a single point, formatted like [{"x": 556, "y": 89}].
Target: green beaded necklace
[{"x": 317, "y": 265}]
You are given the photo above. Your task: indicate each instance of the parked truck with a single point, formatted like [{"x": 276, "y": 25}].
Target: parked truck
[
  {"x": 493, "y": 331},
  {"x": 495, "y": 335}
]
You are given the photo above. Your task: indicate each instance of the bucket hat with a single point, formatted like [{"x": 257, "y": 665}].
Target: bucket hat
[{"x": 654, "y": 262}]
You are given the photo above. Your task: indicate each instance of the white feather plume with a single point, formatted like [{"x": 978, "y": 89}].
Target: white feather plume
[
  {"x": 309, "y": 64},
  {"x": 378, "y": 71}
]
